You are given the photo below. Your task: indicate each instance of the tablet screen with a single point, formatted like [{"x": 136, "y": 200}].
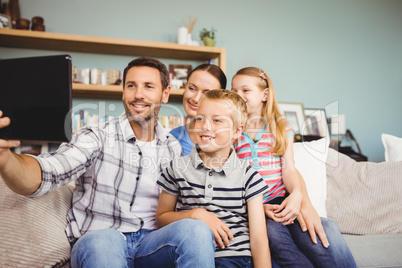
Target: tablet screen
[{"x": 35, "y": 93}]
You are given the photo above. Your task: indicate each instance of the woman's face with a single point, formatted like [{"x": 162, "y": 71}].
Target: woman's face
[{"x": 198, "y": 83}]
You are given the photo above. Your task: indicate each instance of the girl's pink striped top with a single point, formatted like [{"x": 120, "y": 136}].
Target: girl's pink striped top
[{"x": 266, "y": 163}]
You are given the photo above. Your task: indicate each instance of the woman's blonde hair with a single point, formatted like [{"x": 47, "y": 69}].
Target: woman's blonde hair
[
  {"x": 272, "y": 116},
  {"x": 234, "y": 101}
]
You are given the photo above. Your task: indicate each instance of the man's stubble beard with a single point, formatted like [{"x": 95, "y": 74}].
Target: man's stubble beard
[{"x": 153, "y": 115}]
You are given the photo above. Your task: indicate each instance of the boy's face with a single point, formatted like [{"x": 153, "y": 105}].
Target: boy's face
[{"x": 214, "y": 127}]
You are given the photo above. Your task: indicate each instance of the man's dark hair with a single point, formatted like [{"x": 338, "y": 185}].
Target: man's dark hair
[{"x": 149, "y": 62}]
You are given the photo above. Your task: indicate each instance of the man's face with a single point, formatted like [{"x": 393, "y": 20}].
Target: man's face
[{"x": 143, "y": 94}]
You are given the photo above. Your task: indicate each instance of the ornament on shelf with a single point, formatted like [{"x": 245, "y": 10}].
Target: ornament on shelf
[
  {"x": 38, "y": 24},
  {"x": 184, "y": 33},
  {"x": 14, "y": 9}
]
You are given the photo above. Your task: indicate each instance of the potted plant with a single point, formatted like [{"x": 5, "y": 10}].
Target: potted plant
[{"x": 208, "y": 37}]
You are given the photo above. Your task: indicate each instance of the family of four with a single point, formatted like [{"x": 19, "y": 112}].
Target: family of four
[{"x": 221, "y": 191}]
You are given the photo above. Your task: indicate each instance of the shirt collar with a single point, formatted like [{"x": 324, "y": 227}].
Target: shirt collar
[
  {"x": 195, "y": 157},
  {"x": 230, "y": 164},
  {"x": 257, "y": 137}
]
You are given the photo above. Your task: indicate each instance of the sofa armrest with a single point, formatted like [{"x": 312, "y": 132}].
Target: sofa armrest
[{"x": 32, "y": 230}]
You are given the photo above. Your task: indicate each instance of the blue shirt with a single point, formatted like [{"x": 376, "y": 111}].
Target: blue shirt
[{"x": 181, "y": 134}]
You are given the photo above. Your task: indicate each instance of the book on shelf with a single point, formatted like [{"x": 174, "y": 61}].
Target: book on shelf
[
  {"x": 82, "y": 118},
  {"x": 96, "y": 76},
  {"x": 172, "y": 121}
]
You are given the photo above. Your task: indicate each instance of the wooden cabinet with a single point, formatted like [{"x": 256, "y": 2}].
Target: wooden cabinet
[{"x": 104, "y": 45}]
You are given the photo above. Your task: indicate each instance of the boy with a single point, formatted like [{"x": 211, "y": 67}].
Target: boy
[{"x": 214, "y": 186}]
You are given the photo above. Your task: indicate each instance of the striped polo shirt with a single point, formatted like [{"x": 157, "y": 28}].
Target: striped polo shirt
[
  {"x": 222, "y": 191},
  {"x": 266, "y": 163}
]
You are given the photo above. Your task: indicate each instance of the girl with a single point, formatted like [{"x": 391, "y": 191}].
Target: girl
[
  {"x": 267, "y": 144},
  {"x": 200, "y": 80}
]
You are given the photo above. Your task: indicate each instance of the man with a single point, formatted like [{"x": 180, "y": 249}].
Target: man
[{"x": 116, "y": 165}]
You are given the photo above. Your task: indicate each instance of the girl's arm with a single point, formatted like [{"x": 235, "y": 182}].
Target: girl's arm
[
  {"x": 290, "y": 207},
  {"x": 258, "y": 233},
  {"x": 309, "y": 219},
  {"x": 166, "y": 214}
]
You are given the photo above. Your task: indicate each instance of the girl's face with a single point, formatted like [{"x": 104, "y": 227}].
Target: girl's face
[
  {"x": 198, "y": 83},
  {"x": 246, "y": 87}
]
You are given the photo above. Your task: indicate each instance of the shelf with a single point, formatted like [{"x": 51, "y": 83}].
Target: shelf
[
  {"x": 96, "y": 91},
  {"x": 112, "y": 91},
  {"x": 105, "y": 45}
]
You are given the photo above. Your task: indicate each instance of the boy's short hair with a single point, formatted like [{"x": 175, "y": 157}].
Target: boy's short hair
[{"x": 234, "y": 101}]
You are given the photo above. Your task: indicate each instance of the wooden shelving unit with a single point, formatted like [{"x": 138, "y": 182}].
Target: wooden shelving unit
[
  {"x": 105, "y": 45},
  {"x": 111, "y": 91}
]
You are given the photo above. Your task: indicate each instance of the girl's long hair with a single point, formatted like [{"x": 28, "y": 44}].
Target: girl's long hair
[{"x": 276, "y": 122}]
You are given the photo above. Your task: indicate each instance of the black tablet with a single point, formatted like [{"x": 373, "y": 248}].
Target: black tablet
[{"x": 35, "y": 93}]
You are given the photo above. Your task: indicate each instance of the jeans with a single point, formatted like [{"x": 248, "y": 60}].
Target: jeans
[
  {"x": 291, "y": 247},
  {"x": 234, "y": 262},
  {"x": 185, "y": 243}
]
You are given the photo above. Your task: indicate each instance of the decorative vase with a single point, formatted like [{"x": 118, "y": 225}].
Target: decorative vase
[
  {"x": 37, "y": 24},
  {"x": 208, "y": 41},
  {"x": 14, "y": 6},
  {"x": 182, "y": 35},
  {"x": 22, "y": 24},
  {"x": 189, "y": 40}
]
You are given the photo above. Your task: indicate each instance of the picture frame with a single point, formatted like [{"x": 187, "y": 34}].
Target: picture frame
[
  {"x": 5, "y": 21},
  {"x": 294, "y": 113},
  {"x": 179, "y": 74},
  {"x": 316, "y": 122}
]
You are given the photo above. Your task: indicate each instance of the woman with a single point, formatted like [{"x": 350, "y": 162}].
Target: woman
[{"x": 202, "y": 79}]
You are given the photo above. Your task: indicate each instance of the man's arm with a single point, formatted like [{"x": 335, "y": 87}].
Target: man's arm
[{"x": 21, "y": 173}]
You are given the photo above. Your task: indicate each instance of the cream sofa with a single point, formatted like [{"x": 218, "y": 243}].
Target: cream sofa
[{"x": 363, "y": 198}]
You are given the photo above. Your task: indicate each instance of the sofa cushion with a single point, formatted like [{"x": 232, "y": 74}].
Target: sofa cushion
[
  {"x": 310, "y": 158},
  {"x": 376, "y": 250},
  {"x": 392, "y": 147},
  {"x": 364, "y": 197},
  {"x": 32, "y": 230}
]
